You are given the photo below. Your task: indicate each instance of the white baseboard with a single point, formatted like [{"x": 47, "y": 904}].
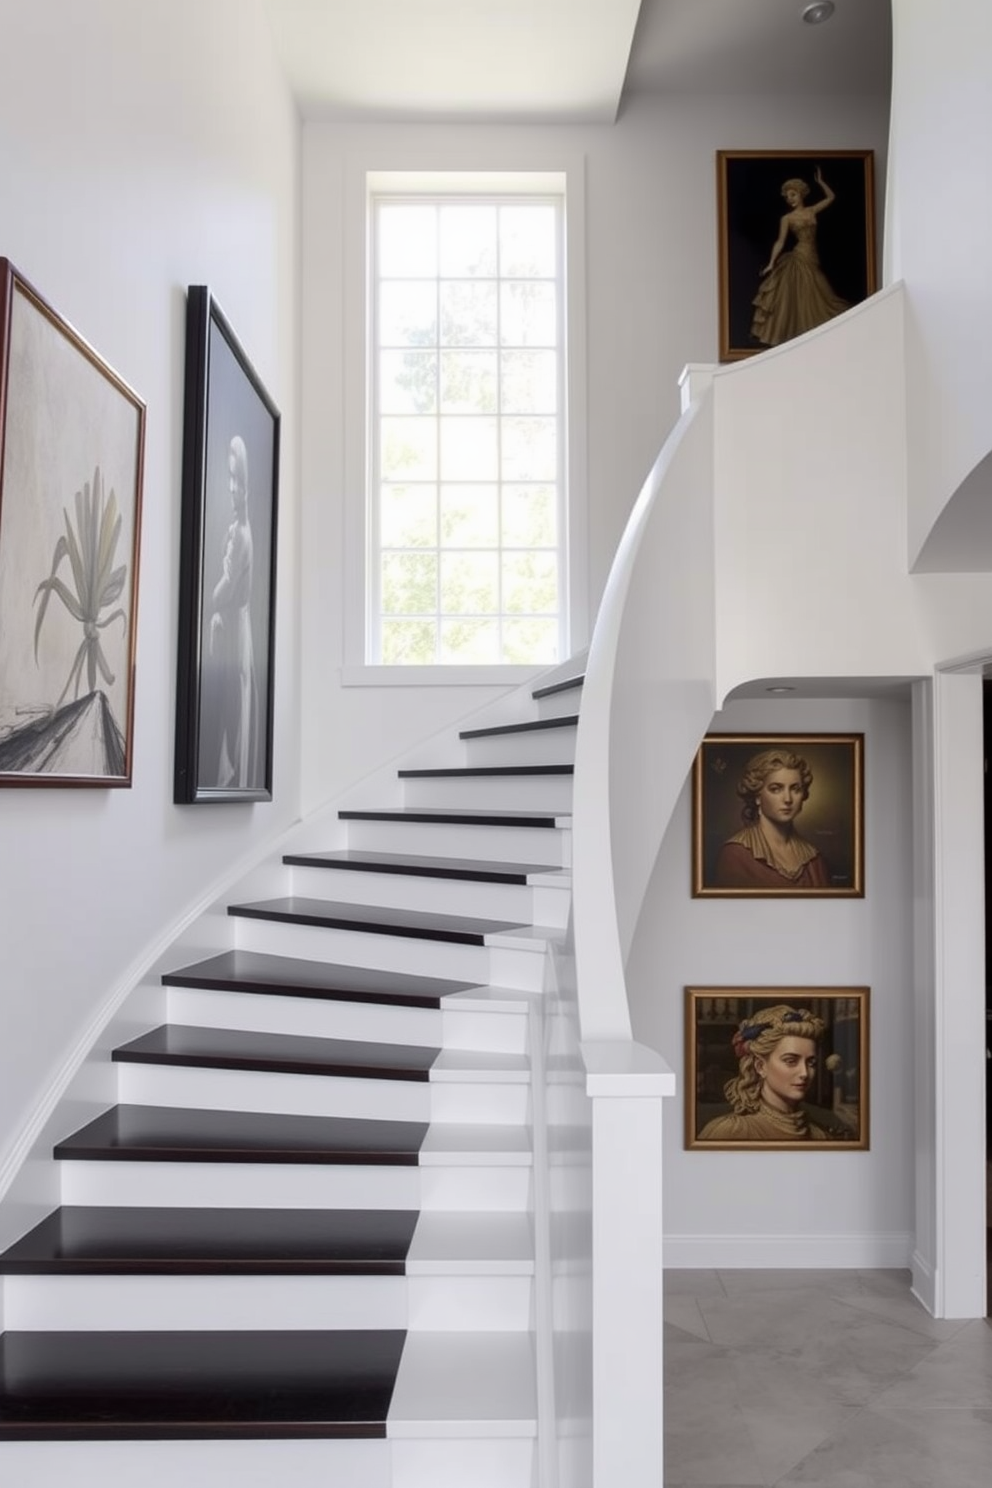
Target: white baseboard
[
  {"x": 788, "y": 1252},
  {"x": 924, "y": 1286}
]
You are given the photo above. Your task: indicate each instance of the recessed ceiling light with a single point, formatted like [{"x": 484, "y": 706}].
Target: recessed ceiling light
[
  {"x": 780, "y": 689},
  {"x": 819, "y": 11}
]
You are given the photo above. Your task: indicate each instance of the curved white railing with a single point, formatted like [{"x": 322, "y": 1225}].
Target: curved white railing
[
  {"x": 646, "y": 703},
  {"x": 647, "y": 700}
]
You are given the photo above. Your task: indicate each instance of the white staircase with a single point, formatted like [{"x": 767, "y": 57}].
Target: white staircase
[{"x": 302, "y": 1245}]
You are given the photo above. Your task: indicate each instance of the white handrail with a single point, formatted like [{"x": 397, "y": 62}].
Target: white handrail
[{"x": 647, "y": 699}]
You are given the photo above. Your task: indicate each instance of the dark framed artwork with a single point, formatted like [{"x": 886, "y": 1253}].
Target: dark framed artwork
[
  {"x": 778, "y": 815},
  {"x": 227, "y": 586},
  {"x": 781, "y": 1068},
  {"x": 71, "y": 463},
  {"x": 796, "y": 242}
]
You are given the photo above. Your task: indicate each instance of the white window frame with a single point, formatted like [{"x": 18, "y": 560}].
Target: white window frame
[{"x": 361, "y": 185}]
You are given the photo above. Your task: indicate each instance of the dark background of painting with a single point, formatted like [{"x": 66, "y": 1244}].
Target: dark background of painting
[
  {"x": 827, "y": 819},
  {"x": 750, "y": 193},
  {"x": 233, "y": 407}
]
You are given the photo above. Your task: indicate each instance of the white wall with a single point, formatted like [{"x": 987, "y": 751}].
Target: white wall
[
  {"x": 142, "y": 148},
  {"x": 940, "y": 218},
  {"x": 794, "y": 1208},
  {"x": 650, "y": 259}
]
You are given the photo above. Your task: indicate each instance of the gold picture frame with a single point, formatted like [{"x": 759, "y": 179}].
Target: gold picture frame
[
  {"x": 777, "y": 1069},
  {"x": 750, "y": 792},
  {"x": 796, "y": 242}
]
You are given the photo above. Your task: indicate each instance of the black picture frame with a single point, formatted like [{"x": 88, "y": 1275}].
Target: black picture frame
[
  {"x": 72, "y": 441},
  {"x": 225, "y": 683},
  {"x": 750, "y": 211}
]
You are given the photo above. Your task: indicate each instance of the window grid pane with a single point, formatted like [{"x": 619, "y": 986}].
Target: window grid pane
[{"x": 466, "y": 453}]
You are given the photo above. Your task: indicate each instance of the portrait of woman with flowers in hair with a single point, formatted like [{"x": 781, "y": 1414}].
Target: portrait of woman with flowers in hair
[{"x": 790, "y": 1085}]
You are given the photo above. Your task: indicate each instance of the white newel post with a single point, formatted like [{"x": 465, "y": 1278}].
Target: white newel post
[{"x": 627, "y": 1084}]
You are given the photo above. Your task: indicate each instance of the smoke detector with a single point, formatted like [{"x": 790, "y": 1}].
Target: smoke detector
[{"x": 818, "y": 12}]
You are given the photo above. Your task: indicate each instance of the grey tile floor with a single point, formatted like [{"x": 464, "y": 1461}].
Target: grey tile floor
[{"x": 824, "y": 1379}]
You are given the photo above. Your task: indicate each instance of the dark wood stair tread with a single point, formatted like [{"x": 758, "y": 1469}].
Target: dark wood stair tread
[
  {"x": 126, "y": 1240},
  {"x": 290, "y": 976},
  {"x": 459, "y": 772},
  {"x": 452, "y": 816},
  {"x": 176, "y": 1134},
  {"x": 373, "y": 919},
  {"x": 534, "y": 726},
  {"x": 564, "y": 686},
  {"x": 147, "y": 1386},
  {"x": 232, "y": 1048},
  {"x": 475, "y": 870}
]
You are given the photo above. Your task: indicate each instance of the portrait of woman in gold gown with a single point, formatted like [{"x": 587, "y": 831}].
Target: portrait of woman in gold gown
[
  {"x": 795, "y": 294},
  {"x": 796, "y": 243}
]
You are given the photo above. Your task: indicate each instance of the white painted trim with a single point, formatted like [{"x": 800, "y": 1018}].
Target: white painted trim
[
  {"x": 618, "y": 1069},
  {"x": 627, "y": 1293},
  {"x": 924, "y": 1283},
  {"x": 788, "y": 1252},
  {"x": 924, "y": 1074},
  {"x": 369, "y": 675},
  {"x": 959, "y": 1031}
]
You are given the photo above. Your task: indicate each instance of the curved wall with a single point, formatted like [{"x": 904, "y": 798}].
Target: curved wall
[
  {"x": 939, "y": 224},
  {"x": 144, "y": 148}
]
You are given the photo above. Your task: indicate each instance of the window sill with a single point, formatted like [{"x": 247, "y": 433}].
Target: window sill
[{"x": 438, "y": 676}]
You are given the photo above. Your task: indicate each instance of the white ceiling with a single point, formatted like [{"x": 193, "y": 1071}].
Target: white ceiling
[{"x": 568, "y": 60}]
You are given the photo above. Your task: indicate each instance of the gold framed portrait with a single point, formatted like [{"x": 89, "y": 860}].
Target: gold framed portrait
[
  {"x": 776, "y": 1068},
  {"x": 796, "y": 242},
  {"x": 778, "y": 815}
]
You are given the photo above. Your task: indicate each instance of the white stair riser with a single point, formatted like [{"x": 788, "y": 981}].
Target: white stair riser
[
  {"x": 496, "y": 1462},
  {"x": 560, "y": 704},
  {"x": 495, "y": 1031},
  {"x": 296, "y": 1185},
  {"x": 552, "y": 903},
  {"x": 555, "y": 746},
  {"x": 482, "y": 1462},
  {"x": 420, "y": 957},
  {"x": 447, "y": 1304},
  {"x": 203, "y": 1464},
  {"x": 322, "y": 1095},
  {"x": 499, "y": 1032},
  {"x": 493, "y": 792},
  {"x": 492, "y": 901},
  {"x": 467, "y": 963},
  {"x": 505, "y": 844}
]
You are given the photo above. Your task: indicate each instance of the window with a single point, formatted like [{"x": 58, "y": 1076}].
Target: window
[{"x": 467, "y": 462}]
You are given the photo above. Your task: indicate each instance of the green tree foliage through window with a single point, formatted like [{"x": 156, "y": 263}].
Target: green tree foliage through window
[{"x": 467, "y": 403}]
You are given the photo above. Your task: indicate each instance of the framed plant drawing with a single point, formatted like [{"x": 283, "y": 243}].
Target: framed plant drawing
[
  {"x": 778, "y": 815},
  {"x": 227, "y": 585},
  {"x": 780, "y": 1068},
  {"x": 796, "y": 242},
  {"x": 72, "y": 439}
]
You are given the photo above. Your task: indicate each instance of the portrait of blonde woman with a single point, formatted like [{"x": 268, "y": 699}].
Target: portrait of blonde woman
[
  {"x": 767, "y": 1072},
  {"x": 778, "y": 815}
]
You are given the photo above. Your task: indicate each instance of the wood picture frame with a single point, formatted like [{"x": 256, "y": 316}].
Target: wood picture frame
[
  {"x": 749, "y": 791},
  {"x": 72, "y": 440},
  {"x": 777, "y": 1069},
  {"x": 227, "y": 586},
  {"x": 822, "y": 240}
]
